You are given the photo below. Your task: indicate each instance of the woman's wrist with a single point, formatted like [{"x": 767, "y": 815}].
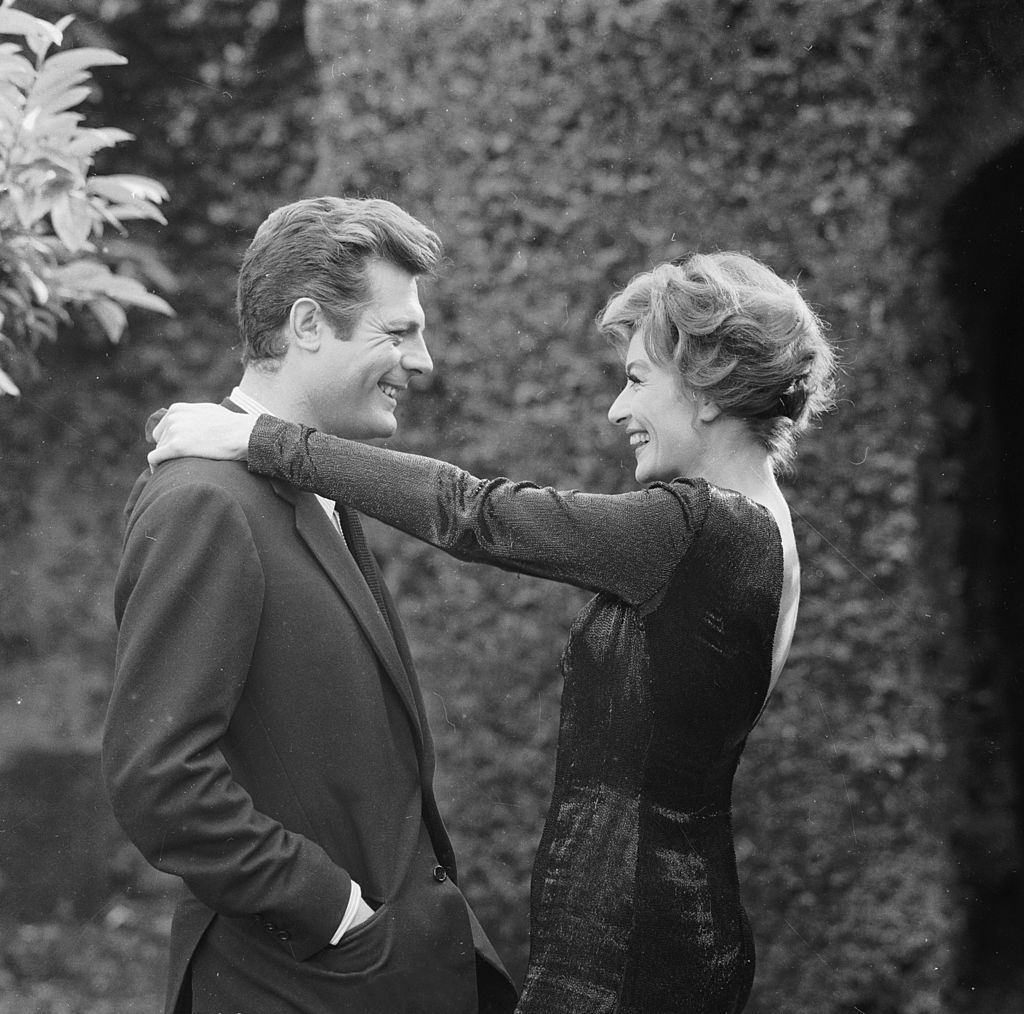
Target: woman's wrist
[{"x": 246, "y": 424}]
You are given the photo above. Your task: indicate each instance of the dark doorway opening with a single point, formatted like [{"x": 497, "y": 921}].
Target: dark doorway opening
[{"x": 984, "y": 241}]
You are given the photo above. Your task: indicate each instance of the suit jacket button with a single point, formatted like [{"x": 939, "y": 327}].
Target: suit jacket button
[
  {"x": 440, "y": 874},
  {"x": 283, "y": 935}
]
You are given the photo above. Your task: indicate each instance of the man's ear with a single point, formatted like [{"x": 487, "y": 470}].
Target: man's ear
[{"x": 306, "y": 324}]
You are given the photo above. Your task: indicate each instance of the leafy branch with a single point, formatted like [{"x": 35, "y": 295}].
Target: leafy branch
[{"x": 53, "y": 210}]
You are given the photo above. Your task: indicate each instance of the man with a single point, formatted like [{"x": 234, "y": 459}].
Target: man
[{"x": 266, "y": 739}]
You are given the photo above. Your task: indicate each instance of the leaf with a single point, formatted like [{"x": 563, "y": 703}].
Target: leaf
[
  {"x": 14, "y": 22},
  {"x": 131, "y": 291},
  {"x": 39, "y": 187},
  {"x": 136, "y": 187},
  {"x": 39, "y": 34},
  {"x": 9, "y": 113},
  {"x": 73, "y": 221},
  {"x": 61, "y": 100},
  {"x": 8, "y": 386},
  {"x": 54, "y": 128},
  {"x": 72, "y": 60},
  {"x": 112, "y": 317},
  {"x": 131, "y": 196},
  {"x": 118, "y": 213},
  {"x": 16, "y": 69},
  {"x": 63, "y": 72},
  {"x": 89, "y": 140},
  {"x": 55, "y": 160},
  {"x": 83, "y": 275},
  {"x": 40, "y": 292},
  {"x": 86, "y": 278},
  {"x": 112, "y": 188}
]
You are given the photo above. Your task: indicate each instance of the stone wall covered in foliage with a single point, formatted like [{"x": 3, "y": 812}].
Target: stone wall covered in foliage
[{"x": 558, "y": 149}]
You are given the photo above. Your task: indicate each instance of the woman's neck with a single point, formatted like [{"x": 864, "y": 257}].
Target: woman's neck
[{"x": 735, "y": 459}]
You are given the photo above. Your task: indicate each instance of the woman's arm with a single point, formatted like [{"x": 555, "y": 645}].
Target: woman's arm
[{"x": 627, "y": 544}]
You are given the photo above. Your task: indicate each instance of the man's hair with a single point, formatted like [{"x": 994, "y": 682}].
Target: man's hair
[{"x": 320, "y": 248}]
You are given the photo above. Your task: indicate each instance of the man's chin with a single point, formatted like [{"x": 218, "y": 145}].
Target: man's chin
[
  {"x": 388, "y": 429},
  {"x": 378, "y": 429},
  {"x": 381, "y": 431}
]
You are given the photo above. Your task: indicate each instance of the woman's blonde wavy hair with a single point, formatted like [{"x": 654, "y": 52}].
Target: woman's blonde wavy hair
[{"x": 738, "y": 334}]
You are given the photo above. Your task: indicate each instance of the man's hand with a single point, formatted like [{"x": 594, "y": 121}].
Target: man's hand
[{"x": 199, "y": 431}]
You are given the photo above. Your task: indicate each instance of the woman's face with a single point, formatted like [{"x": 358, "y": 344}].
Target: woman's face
[{"x": 661, "y": 418}]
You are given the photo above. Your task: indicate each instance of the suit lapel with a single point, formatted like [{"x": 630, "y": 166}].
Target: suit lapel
[{"x": 324, "y": 542}]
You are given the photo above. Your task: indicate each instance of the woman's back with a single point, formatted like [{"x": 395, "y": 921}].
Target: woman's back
[{"x": 635, "y": 898}]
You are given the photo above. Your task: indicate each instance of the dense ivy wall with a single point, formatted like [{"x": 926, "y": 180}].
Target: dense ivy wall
[{"x": 558, "y": 148}]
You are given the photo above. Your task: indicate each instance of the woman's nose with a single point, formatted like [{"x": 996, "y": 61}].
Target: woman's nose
[{"x": 618, "y": 413}]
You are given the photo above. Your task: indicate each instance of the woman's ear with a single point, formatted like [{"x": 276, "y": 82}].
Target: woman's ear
[
  {"x": 305, "y": 324},
  {"x": 707, "y": 410}
]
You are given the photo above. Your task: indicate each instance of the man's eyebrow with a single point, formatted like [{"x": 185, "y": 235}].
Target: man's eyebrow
[{"x": 404, "y": 324}]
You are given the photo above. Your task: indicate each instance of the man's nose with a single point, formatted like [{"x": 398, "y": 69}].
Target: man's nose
[{"x": 416, "y": 358}]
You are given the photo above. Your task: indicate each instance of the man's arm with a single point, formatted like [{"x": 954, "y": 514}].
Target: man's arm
[{"x": 189, "y": 595}]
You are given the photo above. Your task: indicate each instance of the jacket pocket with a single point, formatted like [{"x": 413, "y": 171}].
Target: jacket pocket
[{"x": 363, "y": 949}]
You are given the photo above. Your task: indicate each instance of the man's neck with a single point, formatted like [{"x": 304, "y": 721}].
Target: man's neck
[{"x": 275, "y": 393}]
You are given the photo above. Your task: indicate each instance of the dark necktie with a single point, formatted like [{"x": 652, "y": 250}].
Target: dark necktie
[{"x": 353, "y": 532}]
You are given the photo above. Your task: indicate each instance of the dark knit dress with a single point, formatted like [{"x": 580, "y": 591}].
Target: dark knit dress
[{"x": 635, "y": 902}]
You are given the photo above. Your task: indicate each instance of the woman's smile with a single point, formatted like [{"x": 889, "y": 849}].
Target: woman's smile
[{"x": 659, "y": 418}]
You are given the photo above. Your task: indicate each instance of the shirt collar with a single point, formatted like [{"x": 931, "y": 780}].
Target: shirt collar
[
  {"x": 247, "y": 403},
  {"x": 251, "y": 406}
]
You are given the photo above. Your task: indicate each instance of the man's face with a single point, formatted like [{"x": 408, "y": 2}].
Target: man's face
[{"x": 357, "y": 382}]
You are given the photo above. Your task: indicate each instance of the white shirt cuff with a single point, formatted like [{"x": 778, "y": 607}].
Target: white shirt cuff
[{"x": 350, "y": 913}]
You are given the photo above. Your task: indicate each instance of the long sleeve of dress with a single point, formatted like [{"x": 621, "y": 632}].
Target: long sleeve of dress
[{"x": 627, "y": 545}]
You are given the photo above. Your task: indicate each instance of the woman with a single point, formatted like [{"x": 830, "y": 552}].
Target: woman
[{"x": 635, "y": 901}]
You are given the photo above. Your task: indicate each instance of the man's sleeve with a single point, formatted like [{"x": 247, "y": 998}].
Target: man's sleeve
[{"x": 188, "y": 597}]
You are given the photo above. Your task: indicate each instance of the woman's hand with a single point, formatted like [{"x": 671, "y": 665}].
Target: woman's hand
[{"x": 200, "y": 431}]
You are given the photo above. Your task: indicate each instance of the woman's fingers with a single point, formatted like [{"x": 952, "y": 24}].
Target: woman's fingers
[
  {"x": 160, "y": 429},
  {"x": 153, "y": 425},
  {"x": 198, "y": 429}
]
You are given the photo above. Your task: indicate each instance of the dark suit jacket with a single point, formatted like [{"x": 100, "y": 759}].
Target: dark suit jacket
[{"x": 266, "y": 742}]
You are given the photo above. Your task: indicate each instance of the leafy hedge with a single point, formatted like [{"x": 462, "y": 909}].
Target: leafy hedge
[{"x": 559, "y": 148}]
